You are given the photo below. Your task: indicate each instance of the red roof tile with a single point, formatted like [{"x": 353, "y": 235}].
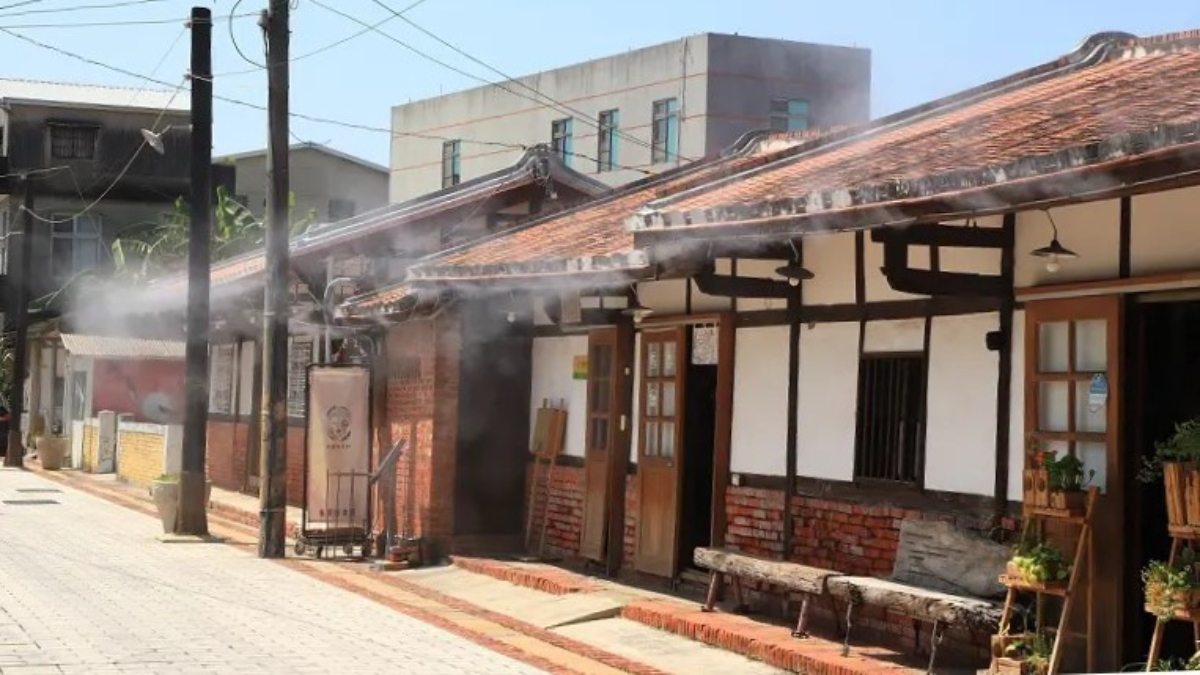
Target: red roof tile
[
  {"x": 1128, "y": 86},
  {"x": 589, "y": 237}
]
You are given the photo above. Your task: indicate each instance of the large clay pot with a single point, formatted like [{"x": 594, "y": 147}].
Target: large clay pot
[
  {"x": 52, "y": 450},
  {"x": 166, "y": 500}
]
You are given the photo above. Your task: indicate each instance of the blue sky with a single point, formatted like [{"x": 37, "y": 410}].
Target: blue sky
[{"x": 920, "y": 50}]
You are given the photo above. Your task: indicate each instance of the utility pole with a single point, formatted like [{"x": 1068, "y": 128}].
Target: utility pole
[
  {"x": 18, "y": 290},
  {"x": 193, "y": 513},
  {"x": 272, "y": 487}
]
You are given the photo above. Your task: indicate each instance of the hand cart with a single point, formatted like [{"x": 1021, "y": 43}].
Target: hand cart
[{"x": 340, "y": 524}]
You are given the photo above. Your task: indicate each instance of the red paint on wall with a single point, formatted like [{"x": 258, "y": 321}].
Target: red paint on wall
[{"x": 150, "y": 391}]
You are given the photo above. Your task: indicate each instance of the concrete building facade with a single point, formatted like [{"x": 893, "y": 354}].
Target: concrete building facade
[
  {"x": 327, "y": 183},
  {"x": 623, "y": 116}
]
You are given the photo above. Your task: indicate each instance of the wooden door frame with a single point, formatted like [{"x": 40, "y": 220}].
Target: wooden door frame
[
  {"x": 606, "y": 336},
  {"x": 726, "y": 323},
  {"x": 621, "y": 444},
  {"x": 1106, "y": 646}
]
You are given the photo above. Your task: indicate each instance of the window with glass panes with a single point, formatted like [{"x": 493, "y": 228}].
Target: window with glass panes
[
  {"x": 789, "y": 114},
  {"x": 560, "y": 139},
  {"x": 451, "y": 163},
  {"x": 606, "y": 152},
  {"x": 75, "y": 244},
  {"x": 665, "y": 131},
  {"x": 659, "y": 410}
]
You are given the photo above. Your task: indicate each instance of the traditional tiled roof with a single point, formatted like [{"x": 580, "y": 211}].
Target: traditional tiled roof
[
  {"x": 589, "y": 239},
  {"x": 536, "y": 164},
  {"x": 1116, "y": 99}
]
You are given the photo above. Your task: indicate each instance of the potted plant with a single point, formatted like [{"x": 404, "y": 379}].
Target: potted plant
[
  {"x": 165, "y": 491},
  {"x": 1175, "y": 460},
  {"x": 52, "y": 449},
  {"x": 1066, "y": 481},
  {"x": 1037, "y": 564},
  {"x": 1025, "y": 655},
  {"x": 1172, "y": 588}
]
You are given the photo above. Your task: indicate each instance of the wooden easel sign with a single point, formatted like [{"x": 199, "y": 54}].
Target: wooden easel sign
[{"x": 549, "y": 433}]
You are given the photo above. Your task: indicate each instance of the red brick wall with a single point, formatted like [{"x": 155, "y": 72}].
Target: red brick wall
[
  {"x": 564, "y": 529},
  {"x": 754, "y": 520},
  {"x": 445, "y": 426},
  {"x": 295, "y": 465}
]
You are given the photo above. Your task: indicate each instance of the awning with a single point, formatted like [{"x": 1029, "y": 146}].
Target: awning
[{"x": 104, "y": 347}]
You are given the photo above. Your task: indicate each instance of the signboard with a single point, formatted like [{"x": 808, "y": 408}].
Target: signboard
[
  {"x": 579, "y": 367},
  {"x": 339, "y": 442},
  {"x": 300, "y": 355},
  {"x": 1098, "y": 393}
]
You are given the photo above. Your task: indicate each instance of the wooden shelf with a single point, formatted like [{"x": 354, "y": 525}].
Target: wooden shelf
[
  {"x": 1059, "y": 589},
  {"x": 1189, "y": 532},
  {"x": 1192, "y": 615},
  {"x": 1077, "y": 516}
]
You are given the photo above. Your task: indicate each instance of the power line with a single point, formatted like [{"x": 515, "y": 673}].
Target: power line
[
  {"x": 21, "y": 4},
  {"x": 79, "y": 8},
  {"x": 120, "y": 176},
  {"x": 509, "y": 78},
  {"x": 109, "y": 24},
  {"x": 331, "y": 45},
  {"x": 256, "y": 106}
]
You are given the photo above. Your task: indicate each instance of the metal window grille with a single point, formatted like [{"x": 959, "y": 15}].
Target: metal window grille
[
  {"x": 70, "y": 141},
  {"x": 890, "y": 438}
]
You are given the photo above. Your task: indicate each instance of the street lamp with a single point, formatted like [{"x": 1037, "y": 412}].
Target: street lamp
[{"x": 154, "y": 138}]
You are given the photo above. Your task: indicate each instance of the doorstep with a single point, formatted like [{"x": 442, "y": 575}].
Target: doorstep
[{"x": 769, "y": 643}]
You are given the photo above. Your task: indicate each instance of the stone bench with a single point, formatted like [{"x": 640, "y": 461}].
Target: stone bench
[{"x": 809, "y": 581}]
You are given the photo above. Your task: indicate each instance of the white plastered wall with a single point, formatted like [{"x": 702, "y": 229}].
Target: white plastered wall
[
  {"x": 960, "y": 436},
  {"x": 553, "y": 380},
  {"x": 827, "y": 401},
  {"x": 1092, "y": 230},
  {"x": 1016, "y": 427},
  {"x": 760, "y": 383},
  {"x": 1163, "y": 235}
]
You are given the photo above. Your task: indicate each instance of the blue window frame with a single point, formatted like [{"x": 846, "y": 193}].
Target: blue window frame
[{"x": 665, "y": 131}]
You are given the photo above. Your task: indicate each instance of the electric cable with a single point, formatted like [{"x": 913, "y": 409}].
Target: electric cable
[
  {"x": 322, "y": 50},
  {"x": 554, "y": 103},
  {"x": 256, "y": 106},
  {"x": 79, "y": 8}
]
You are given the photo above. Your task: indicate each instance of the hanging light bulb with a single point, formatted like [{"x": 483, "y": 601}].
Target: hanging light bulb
[
  {"x": 1054, "y": 253},
  {"x": 636, "y": 309},
  {"x": 511, "y": 317}
]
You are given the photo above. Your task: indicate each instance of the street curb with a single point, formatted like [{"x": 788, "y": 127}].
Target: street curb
[{"x": 546, "y": 580}]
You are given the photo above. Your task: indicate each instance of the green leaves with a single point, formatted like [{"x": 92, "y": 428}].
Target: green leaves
[
  {"x": 1041, "y": 562},
  {"x": 1181, "y": 446}
]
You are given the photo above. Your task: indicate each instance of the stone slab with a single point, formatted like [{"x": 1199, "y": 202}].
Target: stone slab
[{"x": 938, "y": 556}]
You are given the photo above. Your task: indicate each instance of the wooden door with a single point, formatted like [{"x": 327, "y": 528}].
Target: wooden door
[
  {"x": 600, "y": 440},
  {"x": 1073, "y": 404},
  {"x": 660, "y": 435}
]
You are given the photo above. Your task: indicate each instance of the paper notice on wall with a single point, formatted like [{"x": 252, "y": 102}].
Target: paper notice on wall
[{"x": 339, "y": 446}]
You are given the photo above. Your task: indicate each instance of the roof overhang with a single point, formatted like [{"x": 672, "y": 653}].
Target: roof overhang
[
  {"x": 134, "y": 349},
  {"x": 1098, "y": 171}
]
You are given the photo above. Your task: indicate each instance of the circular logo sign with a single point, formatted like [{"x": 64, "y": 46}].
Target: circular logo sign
[{"x": 337, "y": 423}]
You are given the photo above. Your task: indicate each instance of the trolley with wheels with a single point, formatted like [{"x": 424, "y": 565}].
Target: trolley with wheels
[{"x": 337, "y": 475}]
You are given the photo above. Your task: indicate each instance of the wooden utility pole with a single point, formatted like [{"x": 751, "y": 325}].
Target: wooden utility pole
[
  {"x": 193, "y": 513},
  {"x": 272, "y": 487},
  {"x": 18, "y": 293}
]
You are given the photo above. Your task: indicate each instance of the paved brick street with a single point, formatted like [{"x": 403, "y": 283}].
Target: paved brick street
[{"x": 85, "y": 587}]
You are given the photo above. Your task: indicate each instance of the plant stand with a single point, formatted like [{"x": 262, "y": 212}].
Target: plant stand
[
  {"x": 1180, "y": 534},
  {"x": 1039, "y": 515}
]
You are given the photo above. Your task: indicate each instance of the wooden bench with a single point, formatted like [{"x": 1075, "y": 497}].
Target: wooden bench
[
  {"x": 939, "y": 576},
  {"x": 938, "y": 551},
  {"x": 808, "y": 581}
]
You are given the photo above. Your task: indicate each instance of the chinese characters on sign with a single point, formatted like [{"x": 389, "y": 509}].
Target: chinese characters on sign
[{"x": 300, "y": 355}]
